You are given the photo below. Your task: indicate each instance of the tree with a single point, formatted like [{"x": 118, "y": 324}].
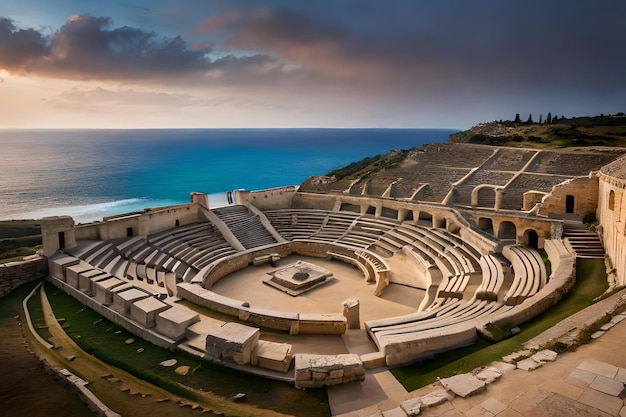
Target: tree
[
  {"x": 549, "y": 118},
  {"x": 530, "y": 119},
  {"x": 517, "y": 119},
  {"x": 540, "y": 118}
]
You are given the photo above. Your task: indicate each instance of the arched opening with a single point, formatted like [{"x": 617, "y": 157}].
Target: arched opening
[
  {"x": 485, "y": 224},
  {"x": 371, "y": 210},
  {"x": 507, "y": 231},
  {"x": 611, "y": 200},
  {"x": 389, "y": 213},
  {"x": 408, "y": 216},
  {"x": 486, "y": 197},
  {"x": 177, "y": 223},
  {"x": 441, "y": 223},
  {"x": 569, "y": 203},
  {"x": 532, "y": 239},
  {"x": 425, "y": 219},
  {"x": 61, "y": 240},
  {"x": 129, "y": 232},
  {"x": 350, "y": 207}
]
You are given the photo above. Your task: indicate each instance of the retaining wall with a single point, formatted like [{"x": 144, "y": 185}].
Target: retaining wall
[{"x": 14, "y": 274}]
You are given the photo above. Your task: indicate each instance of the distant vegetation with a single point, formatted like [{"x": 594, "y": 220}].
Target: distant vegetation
[
  {"x": 18, "y": 238},
  {"x": 553, "y": 131},
  {"x": 369, "y": 166}
]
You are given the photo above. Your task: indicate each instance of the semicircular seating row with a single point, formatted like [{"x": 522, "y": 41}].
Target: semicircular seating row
[{"x": 473, "y": 284}]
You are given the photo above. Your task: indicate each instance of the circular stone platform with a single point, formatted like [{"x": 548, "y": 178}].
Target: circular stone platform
[{"x": 347, "y": 282}]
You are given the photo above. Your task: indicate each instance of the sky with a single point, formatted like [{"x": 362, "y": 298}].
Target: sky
[{"x": 315, "y": 63}]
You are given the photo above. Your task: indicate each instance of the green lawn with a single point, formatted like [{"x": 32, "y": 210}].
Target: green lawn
[
  {"x": 591, "y": 283},
  {"x": 108, "y": 342}
]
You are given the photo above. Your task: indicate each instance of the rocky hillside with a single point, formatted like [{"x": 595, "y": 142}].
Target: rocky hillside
[{"x": 560, "y": 133}]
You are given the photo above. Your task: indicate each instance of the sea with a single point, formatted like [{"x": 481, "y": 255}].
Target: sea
[{"x": 91, "y": 174}]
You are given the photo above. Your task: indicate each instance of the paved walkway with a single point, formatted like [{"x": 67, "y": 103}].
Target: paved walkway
[{"x": 586, "y": 382}]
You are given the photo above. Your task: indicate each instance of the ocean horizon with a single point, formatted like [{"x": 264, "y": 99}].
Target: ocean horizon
[{"x": 94, "y": 173}]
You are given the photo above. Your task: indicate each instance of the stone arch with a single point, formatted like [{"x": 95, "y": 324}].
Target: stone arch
[
  {"x": 531, "y": 238},
  {"x": 350, "y": 207},
  {"x": 507, "y": 230},
  {"x": 441, "y": 223},
  {"x": 485, "y": 224},
  {"x": 389, "y": 213},
  {"x": 611, "y": 200},
  {"x": 425, "y": 219},
  {"x": 484, "y": 196}
]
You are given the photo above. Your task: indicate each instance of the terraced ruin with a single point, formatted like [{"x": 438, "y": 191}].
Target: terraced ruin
[{"x": 425, "y": 255}]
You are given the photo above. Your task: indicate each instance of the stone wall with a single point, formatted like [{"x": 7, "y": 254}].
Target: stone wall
[
  {"x": 584, "y": 190},
  {"x": 14, "y": 274},
  {"x": 269, "y": 199},
  {"x": 612, "y": 217},
  {"x": 315, "y": 371}
]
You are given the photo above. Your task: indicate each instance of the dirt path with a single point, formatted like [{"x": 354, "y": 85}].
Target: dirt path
[{"x": 123, "y": 392}]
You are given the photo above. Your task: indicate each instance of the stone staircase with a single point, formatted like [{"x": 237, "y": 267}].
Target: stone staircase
[
  {"x": 246, "y": 227},
  {"x": 586, "y": 244}
]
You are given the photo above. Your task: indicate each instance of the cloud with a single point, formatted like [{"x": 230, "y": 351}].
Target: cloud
[
  {"x": 87, "y": 48},
  {"x": 19, "y": 48}
]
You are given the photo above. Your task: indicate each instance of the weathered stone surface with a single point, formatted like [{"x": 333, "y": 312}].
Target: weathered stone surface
[
  {"x": 411, "y": 407},
  {"x": 597, "y": 334},
  {"x": 545, "y": 355},
  {"x": 270, "y": 355},
  {"x": 598, "y": 367},
  {"x": 515, "y": 356},
  {"x": 463, "y": 385},
  {"x": 232, "y": 342},
  {"x": 173, "y": 322},
  {"x": 435, "y": 397},
  {"x": 488, "y": 375},
  {"x": 607, "y": 385},
  {"x": 169, "y": 362},
  {"x": 325, "y": 370},
  {"x": 528, "y": 364},
  {"x": 144, "y": 311}
]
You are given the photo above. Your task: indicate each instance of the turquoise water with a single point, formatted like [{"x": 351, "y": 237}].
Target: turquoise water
[{"x": 89, "y": 174}]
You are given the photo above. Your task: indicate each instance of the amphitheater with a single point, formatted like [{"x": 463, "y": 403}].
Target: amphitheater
[{"x": 381, "y": 271}]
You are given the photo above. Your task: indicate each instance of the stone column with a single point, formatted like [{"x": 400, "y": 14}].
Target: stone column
[{"x": 351, "y": 313}]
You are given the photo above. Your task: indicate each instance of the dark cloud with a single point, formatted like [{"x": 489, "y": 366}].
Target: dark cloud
[
  {"x": 87, "y": 48},
  {"x": 19, "y": 48}
]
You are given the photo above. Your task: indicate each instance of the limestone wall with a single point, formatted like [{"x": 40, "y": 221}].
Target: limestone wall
[
  {"x": 14, "y": 274},
  {"x": 268, "y": 199},
  {"x": 315, "y": 371},
  {"x": 144, "y": 223},
  {"x": 584, "y": 190},
  {"x": 612, "y": 217}
]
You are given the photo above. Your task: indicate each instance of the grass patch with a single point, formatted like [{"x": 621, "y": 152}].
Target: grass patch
[
  {"x": 107, "y": 342},
  {"x": 36, "y": 315},
  {"x": 590, "y": 283}
]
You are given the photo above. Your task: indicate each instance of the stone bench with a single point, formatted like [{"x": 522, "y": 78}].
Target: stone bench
[
  {"x": 232, "y": 342},
  {"x": 173, "y": 322},
  {"x": 145, "y": 311}
]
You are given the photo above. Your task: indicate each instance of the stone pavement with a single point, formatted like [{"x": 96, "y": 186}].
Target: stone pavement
[{"x": 586, "y": 382}]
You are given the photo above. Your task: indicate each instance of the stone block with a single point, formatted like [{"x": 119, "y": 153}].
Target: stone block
[
  {"x": 173, "y": 322},
  {"x": 86, "y": 278},
  {"x": 232, "y": 342},
  {"x": 463, "y": 385},
  {"x": 411, "y": 407},
  {"x": 607, "y": 385},
  {"x": 273, "y": 356},
  {"x": 435, "y": 397},
  {"x": 545, "y": 355},
  {"x": 72, "y": 273},
  {"x": 324, "y": 369},
  {"x": 145, "y": 311},
  {"x": 104, "y": 289},
  {"x": 488, "y": 375},
  {"x": 528, "y": 364},
  {"x": 124, "y": 299}
]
